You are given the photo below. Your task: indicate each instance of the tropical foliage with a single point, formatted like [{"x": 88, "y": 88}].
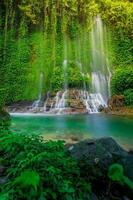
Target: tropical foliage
[
  {"x": 122, "y": 83},
  {"x": 40, "y": 170}
]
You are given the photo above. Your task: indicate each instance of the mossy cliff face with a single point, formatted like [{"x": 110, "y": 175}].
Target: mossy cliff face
[{"x": 37, "y": 36}]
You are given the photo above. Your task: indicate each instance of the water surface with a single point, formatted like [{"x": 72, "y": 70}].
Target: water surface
[{"x": 76, "y": 126}]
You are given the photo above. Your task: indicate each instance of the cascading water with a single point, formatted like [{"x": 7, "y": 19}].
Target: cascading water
[
  {"x": 92, "y": 101},
  {"x": 101, "y": 74},
  {"x": 46, "y": 102},
  {"x": 57, "y": 99},
  {"x": 97, "y": 98},
  {"x": 60, "y": 100},
  {"x": 100, "y": 66},
  {"x": 37, "y": 103}
]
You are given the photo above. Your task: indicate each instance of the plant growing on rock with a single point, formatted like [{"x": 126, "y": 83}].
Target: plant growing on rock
[{"x": 116, "y": 173}]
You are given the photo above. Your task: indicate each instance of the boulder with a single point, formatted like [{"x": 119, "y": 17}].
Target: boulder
[{"x": 96, "y": 155}]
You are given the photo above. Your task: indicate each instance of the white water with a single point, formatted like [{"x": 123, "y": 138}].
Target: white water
[
  {"x": 40, "y": 87},
  {"x": 62, "y": 102},
  {"x": 61, "y": 99},
  {"x": 100, "y": 66},
  {"x": 57, "y": 99},
  {"x": 92, "y": 101},
  {"x": 100, "y": 72},
  {"x": 46, "y": 102},
  {"x": 59, "y": 103}
]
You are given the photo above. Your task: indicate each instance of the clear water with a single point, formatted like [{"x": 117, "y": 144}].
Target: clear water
[{"x": 80, "y": 126}]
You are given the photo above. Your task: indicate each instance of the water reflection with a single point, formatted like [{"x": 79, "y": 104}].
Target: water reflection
[{"x": 80, "y": 126}]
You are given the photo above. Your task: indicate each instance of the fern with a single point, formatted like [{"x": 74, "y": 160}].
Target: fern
[
  {"x": 28, "y": 179},
  {"x": 40, "y": 170}
]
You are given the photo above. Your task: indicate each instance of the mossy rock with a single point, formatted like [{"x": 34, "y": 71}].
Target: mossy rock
[{"x": 96, "y": 155}]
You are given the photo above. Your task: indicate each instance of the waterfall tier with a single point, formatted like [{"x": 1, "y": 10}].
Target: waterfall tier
[
  {"x": 72, "y": 101},
  {"x": 95, "y": 91}
]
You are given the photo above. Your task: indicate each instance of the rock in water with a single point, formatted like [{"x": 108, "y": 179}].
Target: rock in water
[{"x": 96, "y": 155}]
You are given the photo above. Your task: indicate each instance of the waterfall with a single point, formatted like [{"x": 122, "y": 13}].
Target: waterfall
[
  {"x": 59, "y": 102},
  {"x": 95, "y": 99},
  {"x": 99, "y": 62},
  {"x": 37, "y": 103},
  {"x": 62, "y": 102},
  {"x": 92, "y": 101},
  {"x": 57, "y": 99},
  {"x": 46, "y": 102}
]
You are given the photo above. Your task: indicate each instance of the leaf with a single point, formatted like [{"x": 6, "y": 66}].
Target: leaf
[
  {"x": 28, "y": 179},
  {"x": 116, "y": 172},
  {"x": 4, "y": 196}
]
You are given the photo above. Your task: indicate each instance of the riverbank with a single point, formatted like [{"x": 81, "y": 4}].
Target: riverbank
[{"x": 120, "y": 111}]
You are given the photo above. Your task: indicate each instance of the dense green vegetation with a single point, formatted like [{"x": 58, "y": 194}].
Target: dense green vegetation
[
  {"x": 45, "y": 170},
  {"x": 40, "y": 37},
  {"x": 37, "y": 36},
  {"x": 75, "y": 78},
  {"x": 122, "y": 83},
  {"x": 122, "y": 80},
  {"x": 38, "y": 170},
  {"x": 128, "y": 94},
  {"x": 5, "y": 120}
]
